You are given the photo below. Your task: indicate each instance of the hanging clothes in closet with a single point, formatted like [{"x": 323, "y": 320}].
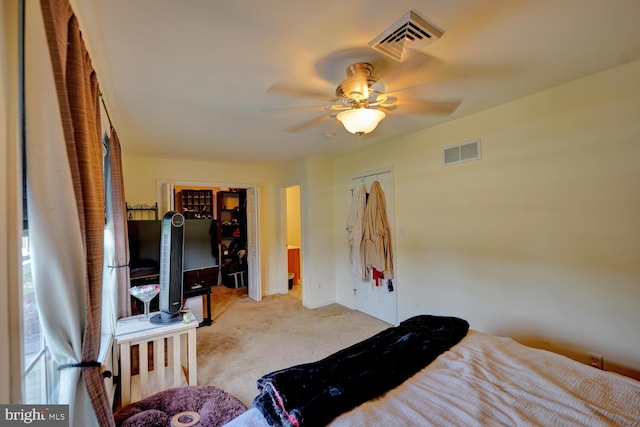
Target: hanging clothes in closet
[
  {"x": 377, "y": 235},
  {"x": 355, "y": 228}
]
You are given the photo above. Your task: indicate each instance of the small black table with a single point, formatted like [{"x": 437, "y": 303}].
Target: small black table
[{"x": 198, "y": 290}]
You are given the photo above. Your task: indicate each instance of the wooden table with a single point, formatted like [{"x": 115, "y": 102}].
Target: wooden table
[{"x": 181, "y": 367}]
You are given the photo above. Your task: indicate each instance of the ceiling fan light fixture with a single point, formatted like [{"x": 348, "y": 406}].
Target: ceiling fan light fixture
[{"x": 360, "y": 120}]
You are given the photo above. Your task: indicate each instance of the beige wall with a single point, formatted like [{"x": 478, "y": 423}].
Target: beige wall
[
  {"x": 318, "y": 270},
  {"x": 539, "y": 240},
  {"x": 294, "y": 224}
]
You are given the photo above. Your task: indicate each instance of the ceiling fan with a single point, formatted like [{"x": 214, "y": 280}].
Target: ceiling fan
[{"x": 361, "y": 102}]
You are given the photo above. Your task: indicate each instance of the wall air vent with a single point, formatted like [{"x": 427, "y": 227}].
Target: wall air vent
[
  {"x": 462, "y": 152},
  {"x": 409, "y": 31}
]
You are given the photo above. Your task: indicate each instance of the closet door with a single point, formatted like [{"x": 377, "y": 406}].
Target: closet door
[{"x": 380, "y": 301}]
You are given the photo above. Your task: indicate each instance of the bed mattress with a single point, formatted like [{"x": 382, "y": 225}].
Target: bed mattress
[{"x": 494, "y": 381}]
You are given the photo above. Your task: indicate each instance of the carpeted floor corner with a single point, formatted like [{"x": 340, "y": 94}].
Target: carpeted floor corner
[{"x": 249, "y": 339}]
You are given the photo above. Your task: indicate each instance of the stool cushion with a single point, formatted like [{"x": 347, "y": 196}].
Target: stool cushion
[{"x": 215, "y": 406}]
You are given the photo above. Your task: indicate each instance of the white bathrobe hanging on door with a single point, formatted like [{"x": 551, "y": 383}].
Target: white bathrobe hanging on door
[{"x": 355, "y": 227}]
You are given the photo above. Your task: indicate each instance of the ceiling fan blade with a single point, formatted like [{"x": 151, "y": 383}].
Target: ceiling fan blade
[
  {"x": 310, "y": 123},
  {"x": 283, "y": 89},
  {"x": 387, "y": 107},
  {"x": 326, "y": 108},
  {"x": 451, "y": 85},
  {"x": 387, "y": 100},
  {"x": 418, "y": 106}
]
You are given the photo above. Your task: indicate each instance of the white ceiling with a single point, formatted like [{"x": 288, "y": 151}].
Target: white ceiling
[{"x": 190, "y": 78}]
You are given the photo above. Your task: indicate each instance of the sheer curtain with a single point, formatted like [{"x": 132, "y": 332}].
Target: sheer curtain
[
  {"x": 66, "y": 204},
  {"x": 110, "y": 278},
  {"x": 121, "y": 239}
]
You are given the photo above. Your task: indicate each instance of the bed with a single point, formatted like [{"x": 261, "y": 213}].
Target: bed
[{"x": 481, "y": 380}]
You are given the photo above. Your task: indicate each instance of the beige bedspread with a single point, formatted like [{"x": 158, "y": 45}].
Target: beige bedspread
[{"x": 492, "y": 381}]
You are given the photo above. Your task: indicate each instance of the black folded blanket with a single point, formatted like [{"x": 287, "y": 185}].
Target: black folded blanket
[{"x": 313, "y": 394}]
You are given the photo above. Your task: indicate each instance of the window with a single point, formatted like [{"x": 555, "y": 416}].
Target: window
[{"x": 39, "y": 375}]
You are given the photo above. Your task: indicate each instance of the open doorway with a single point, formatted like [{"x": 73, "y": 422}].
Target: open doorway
[
  {"x": 293, "y": 239},
  {"x": 232, "y": 207}
]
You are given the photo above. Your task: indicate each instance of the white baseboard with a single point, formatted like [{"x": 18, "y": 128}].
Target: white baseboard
[{"x": 321, "y": 304}]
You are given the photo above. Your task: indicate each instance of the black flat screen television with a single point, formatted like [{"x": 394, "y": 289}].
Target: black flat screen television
[{"x": 200, "y": 245}]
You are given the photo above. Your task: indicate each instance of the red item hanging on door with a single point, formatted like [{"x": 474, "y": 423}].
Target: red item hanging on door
[{"x": 377, "y": 276}]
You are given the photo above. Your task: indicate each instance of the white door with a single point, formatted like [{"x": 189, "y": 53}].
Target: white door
[
  {"x": 381, "y": 301},
  {"x": 167, "y": 199},
  {"x": 253, "y": 246}
]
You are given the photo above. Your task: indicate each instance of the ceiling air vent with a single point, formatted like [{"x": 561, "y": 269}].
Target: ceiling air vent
[
  {"x": 462, "y": 152},
  {"x": 409, "y": 31}
]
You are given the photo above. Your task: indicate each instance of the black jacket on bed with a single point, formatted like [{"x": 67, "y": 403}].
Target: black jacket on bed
[{"x": 313, "y": 394}]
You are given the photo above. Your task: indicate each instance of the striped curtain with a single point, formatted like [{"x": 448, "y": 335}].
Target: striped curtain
[{"x": 78, "y": 98}]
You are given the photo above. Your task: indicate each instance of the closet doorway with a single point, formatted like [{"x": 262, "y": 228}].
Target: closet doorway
[
  {"x": 167, "y": 202},
  {"x": 292, "y": 222}
]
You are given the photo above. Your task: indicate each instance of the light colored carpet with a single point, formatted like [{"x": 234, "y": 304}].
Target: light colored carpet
[{"x": 249, "y": 339}]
